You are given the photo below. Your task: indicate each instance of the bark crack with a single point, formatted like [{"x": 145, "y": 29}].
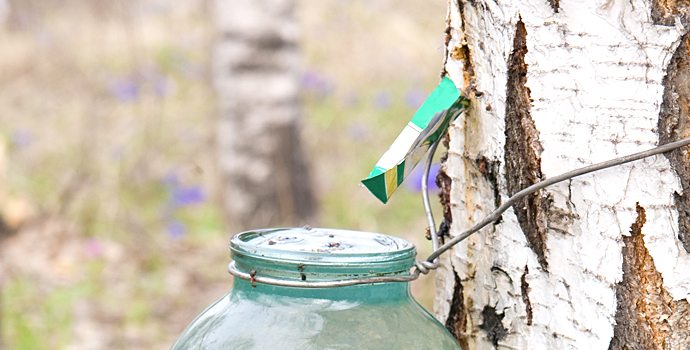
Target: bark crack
[
  {"x": 523, "y": 150},
  {"x": 457, "y": 319},
  {"x": 571, "y": 204},
  {"x": 447, "y": 35},
  {"x": 673, "y": 125},
  {"x": 524, "y": 288}
]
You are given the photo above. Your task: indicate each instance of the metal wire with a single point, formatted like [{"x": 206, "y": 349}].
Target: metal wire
[
  {"x": 253, "y": 278},
  {"x": 496, "y": 214},
  {"x": 432, "y": 262},
  {"x": 424, "y": 266}
]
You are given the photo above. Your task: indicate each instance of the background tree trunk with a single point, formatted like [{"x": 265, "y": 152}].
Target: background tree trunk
[
  {"x": 601, "y": 261},
  {"x": 265, "y": 177}
]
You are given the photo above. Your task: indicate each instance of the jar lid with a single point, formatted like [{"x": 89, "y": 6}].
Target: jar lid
[{"x": 321, "y": 254}]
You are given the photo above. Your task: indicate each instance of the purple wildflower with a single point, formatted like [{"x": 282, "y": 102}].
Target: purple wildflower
[
  {"x": 170, "y": 180},
  {"x": 175, "y": 229},
  {"x": 414, "y": 98},
  {"x": 183, "y": 196},
  {"x": 179, "y": 196},
  {"x": 382, "y": 100},
  {"x": 125, "y": 90},
  {"x": 359, "y": 131},
  {"x": 22, "y": 138},
  {"x": 316, "y": 83},
  {"x": 414, "y": 181},
  {"x": 160, "y": 86},
  {"x": 154, "y": 80}
]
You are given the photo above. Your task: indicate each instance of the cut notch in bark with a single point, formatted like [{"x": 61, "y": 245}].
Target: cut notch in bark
[
  {"x": 457, "y": 320},
  {"x": 646, "y": 315},
  {"x": 665, "y": 12},
  {"x": 523, "y": 150},
  {"x": 463, "y": 53},
  {"x": 674, "y": 124}
]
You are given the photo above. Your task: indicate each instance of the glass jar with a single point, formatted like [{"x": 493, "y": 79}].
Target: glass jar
[{"x": 256, "y": 315}]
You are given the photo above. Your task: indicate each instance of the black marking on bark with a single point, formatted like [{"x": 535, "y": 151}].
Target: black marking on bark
[
  {"x": 444, "y": 182},
  {"x": 665, "y": 12},
  {"x": 674, "y": 124},
  {"x": 498, "y": 270},
  {"x": 457, "y": 317},
  {"x": 491, "y": 169},
  {"x": 524, "y": 288},
  {"x": 447, "y": 36},
  {"x": 492, "y": 324},
  {"x": 523, "y": 150},
  {"x": 555, "y": 5},
  {"x": 444, "y": 229}
]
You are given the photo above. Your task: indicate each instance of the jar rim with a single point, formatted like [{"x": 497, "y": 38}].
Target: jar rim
[{"x": 321, "y": 253}]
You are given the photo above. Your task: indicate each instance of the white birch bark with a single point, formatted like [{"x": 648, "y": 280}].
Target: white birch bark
[{"x": 595, "y": 73}]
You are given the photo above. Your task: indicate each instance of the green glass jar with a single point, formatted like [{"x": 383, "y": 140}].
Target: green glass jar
[{"x": 303, "y": 312}]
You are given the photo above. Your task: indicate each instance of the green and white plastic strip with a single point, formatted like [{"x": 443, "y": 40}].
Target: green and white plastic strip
[{"x": 428, "y": 124}]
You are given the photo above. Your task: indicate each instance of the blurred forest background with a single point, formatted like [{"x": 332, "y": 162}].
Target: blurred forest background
[{"x": 112, "y": 234}]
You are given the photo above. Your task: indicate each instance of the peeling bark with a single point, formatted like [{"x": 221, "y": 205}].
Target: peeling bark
[
  {"x": 665, "y": 12},
  {"x": 646, "y": 315},
  {"x": 522, "y": 150},
  {"x": 673, "y": 125},
  {"x": 680, "y": 323}
]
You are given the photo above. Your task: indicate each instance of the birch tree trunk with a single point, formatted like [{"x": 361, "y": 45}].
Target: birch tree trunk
[
  {"x": 264, "y": 173},
  {"x": 601, "y": 261}
]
